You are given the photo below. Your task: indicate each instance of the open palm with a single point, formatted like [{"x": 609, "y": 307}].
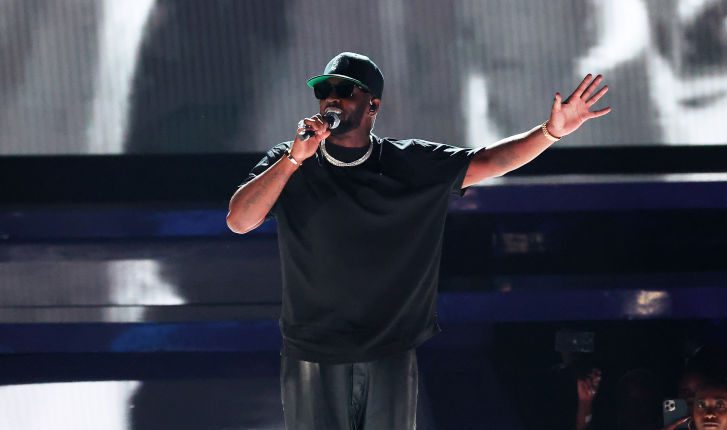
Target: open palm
[{"x": 567, "y": 116}]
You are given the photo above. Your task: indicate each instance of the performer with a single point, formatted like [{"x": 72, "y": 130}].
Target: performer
[{"x": 360, "y": 226}]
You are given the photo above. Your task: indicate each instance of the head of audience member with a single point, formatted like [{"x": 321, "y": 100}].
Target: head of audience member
[
  {"x": 710, "y": 404},
  {"x": 707, "y": 360}
]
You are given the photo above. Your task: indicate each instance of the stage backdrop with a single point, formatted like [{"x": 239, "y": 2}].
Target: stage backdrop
[{"x": 217, "y": 76}]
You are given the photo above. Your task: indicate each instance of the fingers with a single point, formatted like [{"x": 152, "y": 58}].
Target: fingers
[
  {"x": 302, "y": 127},
  {"x": 316, "y": 124},
  {"x": 602, "y": 112},
  {"x": 582, "y": 86},
  {"x": 557, "y": 103},
  {"x": 592, "y": 87},
  {"x": 588, "y": 90},
  {"x": 304, "y": 147},
  {"x": 596, "y": 97},
  {"x": 588, "y": 386},
  {"x": 590, "y": 101}
]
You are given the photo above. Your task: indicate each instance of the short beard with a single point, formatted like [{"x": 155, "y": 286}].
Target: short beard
[{"x": 351, "y": 123}]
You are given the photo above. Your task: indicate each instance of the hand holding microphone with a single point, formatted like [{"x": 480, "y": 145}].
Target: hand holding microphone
[
  {"x": 310, "y": 133},
  {"x": 331, "y": 120}
]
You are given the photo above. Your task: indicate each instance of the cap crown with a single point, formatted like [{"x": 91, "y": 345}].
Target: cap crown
[{"x": 354, "y": 67}]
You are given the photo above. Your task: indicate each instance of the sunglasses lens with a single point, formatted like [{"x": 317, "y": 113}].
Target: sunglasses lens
[
  {"x": 322, "y": 90},
  {"x": 344, "y": 89}
]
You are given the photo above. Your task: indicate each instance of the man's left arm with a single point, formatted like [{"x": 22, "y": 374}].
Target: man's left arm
[{"x": 518, "y": 150}]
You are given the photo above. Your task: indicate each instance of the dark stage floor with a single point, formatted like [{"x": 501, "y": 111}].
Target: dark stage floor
[{"x": 216, "y": 391}]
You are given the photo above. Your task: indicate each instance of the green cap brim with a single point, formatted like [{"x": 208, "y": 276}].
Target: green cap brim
[{"x": 320, "y": 78}]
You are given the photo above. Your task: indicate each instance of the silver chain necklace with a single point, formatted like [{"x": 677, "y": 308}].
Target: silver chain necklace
[{"x": 340, "y": 163}]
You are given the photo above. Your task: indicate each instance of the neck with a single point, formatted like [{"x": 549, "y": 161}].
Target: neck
[{"x": 357, "y": 138}]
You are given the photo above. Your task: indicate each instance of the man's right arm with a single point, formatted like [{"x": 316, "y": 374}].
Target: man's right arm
[{"x": 251, "y": 202}]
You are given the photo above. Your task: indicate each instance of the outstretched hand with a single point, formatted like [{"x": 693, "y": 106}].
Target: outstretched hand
[{"x": 567, "y": 116}]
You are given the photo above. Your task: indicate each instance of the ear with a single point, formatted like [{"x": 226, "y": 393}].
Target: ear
[{"x": 374, "y": 105}]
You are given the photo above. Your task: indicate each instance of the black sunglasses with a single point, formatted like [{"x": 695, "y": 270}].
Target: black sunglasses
[{"x": 343, "y": 89}]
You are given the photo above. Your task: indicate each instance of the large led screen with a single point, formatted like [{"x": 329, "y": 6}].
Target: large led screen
[{"x": 216, "y": 76}]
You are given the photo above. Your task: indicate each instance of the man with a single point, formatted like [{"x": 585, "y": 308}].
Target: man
[{"x": 360, "y": 226}]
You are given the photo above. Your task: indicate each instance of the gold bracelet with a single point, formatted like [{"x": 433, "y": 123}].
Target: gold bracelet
[{"x": 548, "y": 136}]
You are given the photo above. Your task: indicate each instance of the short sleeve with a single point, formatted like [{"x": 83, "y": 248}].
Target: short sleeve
[
  {"x": 270, "y": 157},
  {"x": 268, "y": 160},
  {"x": 443, "y": 163}
]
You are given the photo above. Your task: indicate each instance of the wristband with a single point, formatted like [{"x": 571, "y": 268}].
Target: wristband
[{"x": 290, "y": 157}]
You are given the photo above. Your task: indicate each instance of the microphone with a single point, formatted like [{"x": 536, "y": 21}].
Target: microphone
[{"x": 330, "y": 117}]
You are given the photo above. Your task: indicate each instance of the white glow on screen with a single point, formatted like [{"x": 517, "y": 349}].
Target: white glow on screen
[
  {"x": 481, "y": 129},
  {"x": 681, "y": 122},
  {"x": 648, "y": 304},
  {"x": 689, "y": 9},
  {"x": 67, "y": 406},
  {"x": 141, "y": 281},
  {"x": 69, "y": 67},
  {"x": 122, "y": 25},
  {"x": 622, "y": 34}
]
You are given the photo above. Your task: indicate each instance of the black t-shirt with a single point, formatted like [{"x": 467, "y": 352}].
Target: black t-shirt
[{"x": 361, "y": 246}]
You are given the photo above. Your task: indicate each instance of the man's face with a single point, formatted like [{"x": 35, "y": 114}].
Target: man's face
[
  {"x": 352, "y": 109},
  {"x": 710, "y": 409}
]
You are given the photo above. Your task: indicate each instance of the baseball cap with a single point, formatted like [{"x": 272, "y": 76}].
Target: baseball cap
[{"x": 353, "y": 67}]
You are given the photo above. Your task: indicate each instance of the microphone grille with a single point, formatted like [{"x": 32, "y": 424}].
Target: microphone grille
[{"x": 333, "y": 119}]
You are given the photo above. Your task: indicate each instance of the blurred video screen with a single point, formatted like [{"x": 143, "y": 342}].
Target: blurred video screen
[{"x": 221, "y": 76}]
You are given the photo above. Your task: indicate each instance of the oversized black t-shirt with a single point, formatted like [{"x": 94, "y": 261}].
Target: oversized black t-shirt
[{"x": 360, "y": 247}]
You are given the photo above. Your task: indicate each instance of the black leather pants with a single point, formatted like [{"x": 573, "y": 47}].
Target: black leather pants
[{"x": 376, "y": 395}]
